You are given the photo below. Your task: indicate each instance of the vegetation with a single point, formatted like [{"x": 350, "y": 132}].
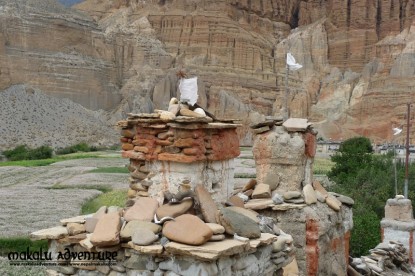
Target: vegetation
[
  {"x": 81, "y": 147},
  {"x": 112, "y": 198},
  {"x": 45, "y": 162},
  {"x": 20, "y": 244},
  {"x": 102, "y": 188},
  {"x": 24, "y": 153},
  {"x": 368, "y": 179},
  {"x": 110, "y": 170},
  {"x": 322, "y": 165}
]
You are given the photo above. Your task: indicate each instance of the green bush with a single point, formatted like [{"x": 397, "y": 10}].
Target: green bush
[
  {"x": 84, "y": 147},
  {"x": 18, "y": 153},
  {"x": 24, "y": 153}
]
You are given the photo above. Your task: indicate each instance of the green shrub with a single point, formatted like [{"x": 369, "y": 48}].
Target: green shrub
[
  {"x": 76, "y": 148},
  {"x": 18, "y": 153},
  {"x": 24, "y": 153}
]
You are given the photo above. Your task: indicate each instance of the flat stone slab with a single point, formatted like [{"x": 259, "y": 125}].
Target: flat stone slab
[
  {"x": 259, "y": 204},
  {"x": 265, "y": 239},
  {"x": 185, "y": 119},
  {"x": 210, "y": 251},
  {"x": 287, "y": 206},
  {"x": 143, "y": 115},
  {"x": 296, "y": 124},
  {"x": 77, "y": 219},
  {"x": 145, "y": 249},
  {"x": 53, "y": 233}
]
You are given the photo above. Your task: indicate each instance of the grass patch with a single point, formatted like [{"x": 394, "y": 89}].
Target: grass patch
[
  {"x": 245, "y": 175},
  {"x": 20, "y": 244},
  {"x": 45, "y": 162},
  {"x": 110, "y": 170},
  {"x": 102, "y": 188},
  {"x": 245, "y": 148},
  {"x": 112, "y": 198},
  {"x": 322, "y": 165}
]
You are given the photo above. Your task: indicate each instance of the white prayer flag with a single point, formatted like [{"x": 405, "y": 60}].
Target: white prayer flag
[
  {"x": 292, "y": 64},
  {"x": 188, "y": 90},
  {"x": 396, "y": 131}
]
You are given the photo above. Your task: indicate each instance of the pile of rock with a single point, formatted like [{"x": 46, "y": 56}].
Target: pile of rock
[
  {"x": 258, "y": 196},
  {"x": 145, "y": 235},
  {"x": 385, "y": 259}
]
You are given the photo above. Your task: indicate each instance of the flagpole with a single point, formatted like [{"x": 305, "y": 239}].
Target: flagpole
[{"x": 286, "y": 111}]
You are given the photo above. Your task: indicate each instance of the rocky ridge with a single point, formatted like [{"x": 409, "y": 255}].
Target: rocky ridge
[{"x": 122, "y": 56}]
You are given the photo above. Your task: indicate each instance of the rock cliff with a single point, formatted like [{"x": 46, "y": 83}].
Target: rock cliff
[{"x": 121, "y": 56}]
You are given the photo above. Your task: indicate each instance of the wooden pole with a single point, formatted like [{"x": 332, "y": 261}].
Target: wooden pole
[{"x": 407, "y": 151}]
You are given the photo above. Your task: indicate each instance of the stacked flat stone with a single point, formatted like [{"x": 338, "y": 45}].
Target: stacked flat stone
[
  {"x": 259, "y": 197},
  {"x": 145, "y": 236},
  {"x": 390, "y": 258}
]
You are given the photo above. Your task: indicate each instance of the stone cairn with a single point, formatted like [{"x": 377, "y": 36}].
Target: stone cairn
[
  {"x": 390, "y": 258},
  {"x": 284, "y": 179},
  {"x": 169, "y": 228}
]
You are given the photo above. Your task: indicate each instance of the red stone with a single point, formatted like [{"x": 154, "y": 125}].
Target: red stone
[
  {"x": 188, "y": 142},
  {"x": 133, "y": 155},
  {"x": 194, "y": 151},
  {"x": 225, "y": 145},
  {"x": 187, "y": 133},
  {"x": 312, "y": 250},
  {"x": 163, "y": 142},
  {"x": 179, "y": 157},
  {"x": 310, "y": 144},
  {"x": 129, "y": 133},
  {"x": 141, "y": 149},
  {"x": 124, "y": 140}
]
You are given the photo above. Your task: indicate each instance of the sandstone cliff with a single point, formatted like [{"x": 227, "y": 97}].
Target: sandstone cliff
[{"x": 121, "y": 56}]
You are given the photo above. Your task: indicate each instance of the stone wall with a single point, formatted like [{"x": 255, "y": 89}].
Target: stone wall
[{"x": 193, "y": 149}]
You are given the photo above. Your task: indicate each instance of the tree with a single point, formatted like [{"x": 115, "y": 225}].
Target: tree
[
  {"x": 368, "y": 179},
  {"x": 353, "y": 155}
]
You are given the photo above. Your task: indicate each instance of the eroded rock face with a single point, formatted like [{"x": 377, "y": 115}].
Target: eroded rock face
[{"x": 358, "y": 58}]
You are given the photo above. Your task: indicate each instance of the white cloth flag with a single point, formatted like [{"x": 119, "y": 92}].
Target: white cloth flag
[
  {"x": 292, "y": 64},
  {"x": 188, "y": 90}
]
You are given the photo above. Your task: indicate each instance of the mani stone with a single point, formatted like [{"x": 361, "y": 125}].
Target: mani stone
[
  {"x": 187, "y": 229},
  {"x": 107, "y": 230},
  {"x": 174, "y": 210},
  {"x": 207, "y": 205},
  {"x": 262, "y": 191},
  {"x": 132, "y": 226},
  {"x": 143, "y": 236},
  {"x": 237, "y": 223},
  {"x": 143, "y": 209}
]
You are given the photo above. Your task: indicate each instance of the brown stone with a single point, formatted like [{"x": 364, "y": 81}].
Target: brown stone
[
  {"x": 124, "y": 140},
  {"x": 188, "y": 142},
  {"x": 310, "y": 196},
  {"x": 133, "y": 155},
  {"x": 187, "y": 229},
  {"x": 218, "y": 237},
  {"x": 138, "y": 187},
  {"x": 250, "y": 185},
  {"x": 143, "y": 209},
  {"x": 171, "y": 149},
  {"x": 107, "y": 230},
  {"x": 141, "y": 149},
  {"x": 127, "y": 146},
  {"x": 207, "y": 205},
  {"x": 190, "y": 113},
  {"x": 131, "y": 193},
  {"x": 165, "y": 135},
  {"x": 76, "y": 238},
  {"x": 129, "y": 133},
  {"x": 138, "y": 175},
  {"x": 249, "y": 192},
  {"x": 318, "y": 187},
  {"x": 53, "y": 233},
  {"x": 216, "y": 228},
  {"x": 174, "y": 210},
  {"x": 143, "y": 193},
  {"x": 333, "y": 203},
  {"x": 236, "y": 201},
  {"x": 75, "y": 228},
  {"x": 261, "y": 191},
  {"x": 131, "y": 226},
  {"x": 259, "y": 204}
]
